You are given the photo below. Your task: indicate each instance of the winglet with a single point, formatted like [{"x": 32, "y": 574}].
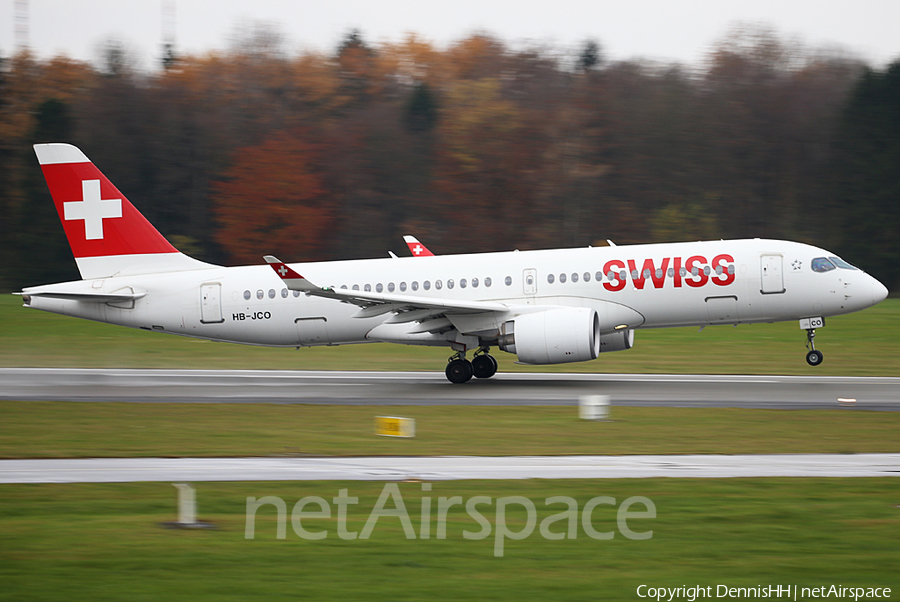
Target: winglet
[
  {"x": 292, "y": 279},
  {"x": 417, "y": 248}
]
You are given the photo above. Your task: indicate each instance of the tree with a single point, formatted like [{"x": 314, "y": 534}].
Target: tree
[
  {"x": 273, "y": 200},
  {"x": 43, "y": 253},
  {"x": 867, "y": 184}
]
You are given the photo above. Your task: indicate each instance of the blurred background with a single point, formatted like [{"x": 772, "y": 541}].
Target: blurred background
[{"x": 472, "y": 143}]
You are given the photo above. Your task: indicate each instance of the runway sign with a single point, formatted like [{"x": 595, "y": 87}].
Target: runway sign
[{"x": 395, "y": 426}]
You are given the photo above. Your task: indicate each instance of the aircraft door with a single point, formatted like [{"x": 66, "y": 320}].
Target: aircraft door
[
  {"x": 529, "y": 281},
  {"x": 312, "y": 330},
  {"x": 211, "y": 304},
  {"x": 772, "y": 274}
]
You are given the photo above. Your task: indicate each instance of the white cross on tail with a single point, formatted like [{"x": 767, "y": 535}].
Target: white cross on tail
[{"x": 92, "y": 209}]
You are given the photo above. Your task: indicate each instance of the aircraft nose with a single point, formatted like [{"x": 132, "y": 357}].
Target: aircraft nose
[{"x": 879, "y": 292}]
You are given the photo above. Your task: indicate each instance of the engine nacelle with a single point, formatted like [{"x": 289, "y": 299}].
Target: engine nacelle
[
  {"x": 555, "y": 336},
  {"x": 620, "y": 340}
]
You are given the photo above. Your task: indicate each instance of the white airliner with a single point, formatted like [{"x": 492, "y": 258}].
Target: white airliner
[{"x": 547, "y": 307}]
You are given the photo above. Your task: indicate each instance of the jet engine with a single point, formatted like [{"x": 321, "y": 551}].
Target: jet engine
[
  {"x": 619, "y": 340},
  {"x": 554, "y": 336}
]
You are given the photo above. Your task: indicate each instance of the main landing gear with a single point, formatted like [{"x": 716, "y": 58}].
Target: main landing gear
[
  {"x": 460, "y": 370},
  {"x": 813, "y": 358}
]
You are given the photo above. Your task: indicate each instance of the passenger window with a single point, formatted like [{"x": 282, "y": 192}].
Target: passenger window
[
  {"x": 462, "y": 283},
  {"x": 450, "y": 283},
  {"x": 284, "y": 293},
  {"x": 426, "y": 285},
  {"x": 574, "y": 277},
  {"x": 438, "y": 285},
  {"x": 260, "y": 294},
  {"x": 356, "y": 287},
  {"x": 247, "y": 295},
  {"x": 379, "y": 288},
  {"x": 820, "y": 264},
  {"x": 508, "y": 281},
  {"x": 487, "y": 282},
  {"x": 390, "y": 287},
  {"x": 296, "y": 293},
  {"x": 587, "y": 276},
  {"x": 402, "y": 287},
  {"x": 415, "y": 285},
  {"x": 474, "y": 282},
  {"x": 368, "y": 288},
  {"x": 551, "y": 278},
  {"x": 562, "y": 278}
]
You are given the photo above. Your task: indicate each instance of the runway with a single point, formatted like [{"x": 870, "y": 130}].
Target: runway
[
  {"x": 432, "y": 388},
  {"x": 172, "y": 470}
]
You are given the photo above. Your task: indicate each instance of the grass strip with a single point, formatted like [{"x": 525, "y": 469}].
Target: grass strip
[
  {"x": 67, "y": 430},
  {"x": 103, "y": 542},
  {"x": 860, "y": 344}
]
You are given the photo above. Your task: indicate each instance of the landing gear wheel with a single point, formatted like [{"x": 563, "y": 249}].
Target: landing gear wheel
[
  {"x": 459, "y": 371},
  {"x": 814, "y": 358},
  {"x": 484, "y": 366}
]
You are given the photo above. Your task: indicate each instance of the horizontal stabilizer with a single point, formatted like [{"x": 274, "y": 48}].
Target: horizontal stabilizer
[{"x": 87, "y": 297}]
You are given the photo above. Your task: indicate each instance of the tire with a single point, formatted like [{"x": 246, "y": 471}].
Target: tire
[
  {"x": 484, "y": 366},
  {"x": 814, "y": 358},
  {"x": 459, "y": 371}
]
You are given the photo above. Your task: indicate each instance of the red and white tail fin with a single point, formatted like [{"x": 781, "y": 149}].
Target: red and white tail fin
[
  {"x": 108, "y": 236},
  {"x": 417, "y": 248},
  {"x": 291, "y": 279}
]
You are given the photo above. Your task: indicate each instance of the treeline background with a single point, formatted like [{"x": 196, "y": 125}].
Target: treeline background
[{"x": 478, "y": 146}]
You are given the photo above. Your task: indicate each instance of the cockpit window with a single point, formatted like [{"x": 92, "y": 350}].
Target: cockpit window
[
  {"x": 842, "y": 264},
  {"x": 820, "y": 264}
]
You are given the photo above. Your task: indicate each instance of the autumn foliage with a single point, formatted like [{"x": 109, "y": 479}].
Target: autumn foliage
[
  {"x": 477, "y": 146},
  {"x": 274, "y": 195}
]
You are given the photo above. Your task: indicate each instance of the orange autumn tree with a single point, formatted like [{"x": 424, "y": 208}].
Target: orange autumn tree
[{"x": 273, "y": 200}]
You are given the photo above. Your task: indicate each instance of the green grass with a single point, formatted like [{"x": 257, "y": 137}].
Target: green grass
[
  {"x": 104, "y": 542},
  {"x": 861, "y": 344},
  {"x": 65, "y": 429}
]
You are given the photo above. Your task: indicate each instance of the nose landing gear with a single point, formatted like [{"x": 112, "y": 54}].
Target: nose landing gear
[{"x": 813, "y": 358}]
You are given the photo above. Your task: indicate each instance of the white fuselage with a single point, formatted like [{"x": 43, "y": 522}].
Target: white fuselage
[{"x": 664, "y": 285}]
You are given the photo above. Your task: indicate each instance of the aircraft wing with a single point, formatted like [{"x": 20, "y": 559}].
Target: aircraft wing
[{"x": 408, "y": 307}]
